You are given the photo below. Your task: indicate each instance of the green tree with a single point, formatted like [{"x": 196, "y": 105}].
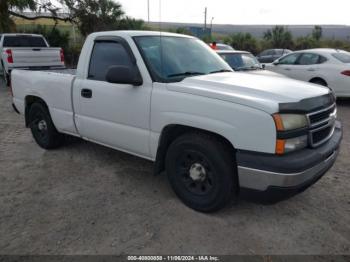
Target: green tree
[
  {"x": 279, "y": 37},
  {"x": 128, "y": 23},
  {"x": 317, "y": 33},
  {"x": 180, "y": 30},
  {"x": 54, "y": 36},
  {"x": 94, "y": 15},
  {"x": 99, "y": 15},
  {"x": 243, "y": 41},
  {"x": 306, "y": 42},
  {"x": 9, "y": 8},
  {"x": 88, "y": 15}
]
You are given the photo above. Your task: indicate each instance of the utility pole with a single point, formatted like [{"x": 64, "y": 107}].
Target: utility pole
[
  {"x": 148, "y": 10},
  {"x": 211, "y": 26},
  {"x": 205, "y": 19}
]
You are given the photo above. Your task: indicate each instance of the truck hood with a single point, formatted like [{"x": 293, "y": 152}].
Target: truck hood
[
  {"x": 257, "y": 91},
  {"x": 264, "y": 73}
]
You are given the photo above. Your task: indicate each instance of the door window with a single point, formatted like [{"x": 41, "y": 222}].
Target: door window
[
  {"x": 342, "y": 57},
  {"x": 104, "y": 55},
  {"x": 309, "y": 59},
  {"x": 289, "y": 59},
  {"x": 270, "y": 52}
]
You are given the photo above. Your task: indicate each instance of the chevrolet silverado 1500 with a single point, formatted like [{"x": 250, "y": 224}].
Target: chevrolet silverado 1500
[
  {"x": 27, "y": 51},
  {"x": 171, "y": 99}
]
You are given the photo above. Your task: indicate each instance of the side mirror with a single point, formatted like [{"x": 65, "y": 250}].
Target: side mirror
[
  {"x": 263, "y": 66},
  {"x": 124, "y": 75}
]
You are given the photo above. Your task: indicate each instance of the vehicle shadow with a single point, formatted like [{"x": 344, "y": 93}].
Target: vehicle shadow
[{"x": 139, "y": 172}]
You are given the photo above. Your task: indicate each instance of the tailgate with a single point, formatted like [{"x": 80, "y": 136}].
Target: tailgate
[{"x": 36, "y": 57}]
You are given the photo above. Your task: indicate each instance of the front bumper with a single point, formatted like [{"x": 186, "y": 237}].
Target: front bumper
[{"x": 270, "y": 178}]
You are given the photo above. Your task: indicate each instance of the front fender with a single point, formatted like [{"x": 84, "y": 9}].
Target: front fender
[{"x": 244, "y": 127}]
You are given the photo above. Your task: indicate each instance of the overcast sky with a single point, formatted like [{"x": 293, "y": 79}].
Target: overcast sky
[{"x": 243, "y": 11}]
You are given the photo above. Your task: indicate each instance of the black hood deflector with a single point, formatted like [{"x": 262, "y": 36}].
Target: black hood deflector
[{"x": 308, "y": 105}]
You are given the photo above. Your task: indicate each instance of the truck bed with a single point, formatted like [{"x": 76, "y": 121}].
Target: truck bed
[
  {"x": 67, "y": 71},
  {"x": 53, "y": 86}
]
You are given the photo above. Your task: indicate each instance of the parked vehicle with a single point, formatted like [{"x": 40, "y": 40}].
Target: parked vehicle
[
  {"x": 216, "y": 46},
  {"x": 246, "y": 62},
  {"x": 27, "y": 51},
  {"x": 270, "y": 55},
  {"x": 327, "y": 67},
  {"x": 171, "y": 99}
]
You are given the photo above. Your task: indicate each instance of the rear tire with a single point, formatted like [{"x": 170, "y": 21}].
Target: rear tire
[
  {"x": 43, "y": 130},
  {"x": 201, "y": 171}
]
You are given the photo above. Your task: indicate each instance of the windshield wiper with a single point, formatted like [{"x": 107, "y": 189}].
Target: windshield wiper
[
  {"x": 189, "y": 73},
  {"x": 220, "y": 71}
]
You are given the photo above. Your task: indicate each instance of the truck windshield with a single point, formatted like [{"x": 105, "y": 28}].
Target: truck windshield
[
  {"x": 24, "y": 41},
  {"x": 171, "y": 58}
]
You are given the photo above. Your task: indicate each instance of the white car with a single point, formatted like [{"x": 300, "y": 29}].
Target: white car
[
  {"x": 327, "y": 67},
  {"x": 224, "y": 47},
  {"x": 217, "y": 133},
  {"x": 244, "y": 61},
  {"x": 27, "y": 51}
]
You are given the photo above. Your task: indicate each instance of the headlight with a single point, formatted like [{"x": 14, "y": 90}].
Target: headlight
[
  {"x": 290, "y": 122},
  {"x": 287, "y": 122}
]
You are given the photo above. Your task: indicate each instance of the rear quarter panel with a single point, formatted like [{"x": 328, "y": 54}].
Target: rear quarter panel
[{"x": 53, "y": 88}]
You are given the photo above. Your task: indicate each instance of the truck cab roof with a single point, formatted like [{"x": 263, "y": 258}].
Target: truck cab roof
[{"x": 131, "y": 33}]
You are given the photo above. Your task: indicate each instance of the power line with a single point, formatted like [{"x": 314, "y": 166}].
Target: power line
[{"x": 148, "y": 10}]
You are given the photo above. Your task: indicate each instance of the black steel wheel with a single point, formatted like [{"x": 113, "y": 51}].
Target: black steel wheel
[
  {"x": 42, "y": 127},
  {"x": 201, "y": 171}
]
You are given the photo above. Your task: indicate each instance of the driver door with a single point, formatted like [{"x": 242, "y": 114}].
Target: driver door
[{"x": 116, "y": 115}]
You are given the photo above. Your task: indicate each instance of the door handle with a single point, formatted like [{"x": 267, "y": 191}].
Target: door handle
[
  {"x": 87, "y": 93},
  {"x": 311, "y": 69},
  {"x": 287, "y": 69}
]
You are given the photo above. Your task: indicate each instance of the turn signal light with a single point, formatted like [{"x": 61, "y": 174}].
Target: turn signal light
[
  {"x": 9, "y": 56},
  {"x": 278, "y": 122},
  {"x": 346, "y": 73},
  {"x": 280, "y": 146}
]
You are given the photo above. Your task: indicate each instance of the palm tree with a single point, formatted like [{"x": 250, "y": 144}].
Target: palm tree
[
  {"x": 279, "y": 37},
  {"x": 317, "y": 33}
]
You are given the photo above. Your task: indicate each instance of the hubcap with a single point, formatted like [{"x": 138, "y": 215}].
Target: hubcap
[
  {"x": 198, "y": 172},
  {"x": 42, "y": 126}
]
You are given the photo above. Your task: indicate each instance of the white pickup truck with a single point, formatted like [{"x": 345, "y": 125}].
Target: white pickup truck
[
  {"x": 169, "y": 98},
  {"x": 27, "y": 51}
]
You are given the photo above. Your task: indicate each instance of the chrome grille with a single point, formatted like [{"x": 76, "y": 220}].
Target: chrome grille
[{"x": 322, "y": 125}]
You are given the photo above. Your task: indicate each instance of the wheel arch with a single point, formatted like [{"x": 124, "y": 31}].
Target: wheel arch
[
  {"x": 318, "y": 78},
  {"x": 29, "y": 101},
  {"x": 173, "y": 131}
]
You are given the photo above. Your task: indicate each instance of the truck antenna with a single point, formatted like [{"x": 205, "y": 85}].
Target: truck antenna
[{"x": 160, "y": 36}]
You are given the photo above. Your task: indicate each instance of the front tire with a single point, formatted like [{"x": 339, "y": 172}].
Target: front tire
[
  {"x": 43, "y": 130},
  {"x": 201, "y": 171}
]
